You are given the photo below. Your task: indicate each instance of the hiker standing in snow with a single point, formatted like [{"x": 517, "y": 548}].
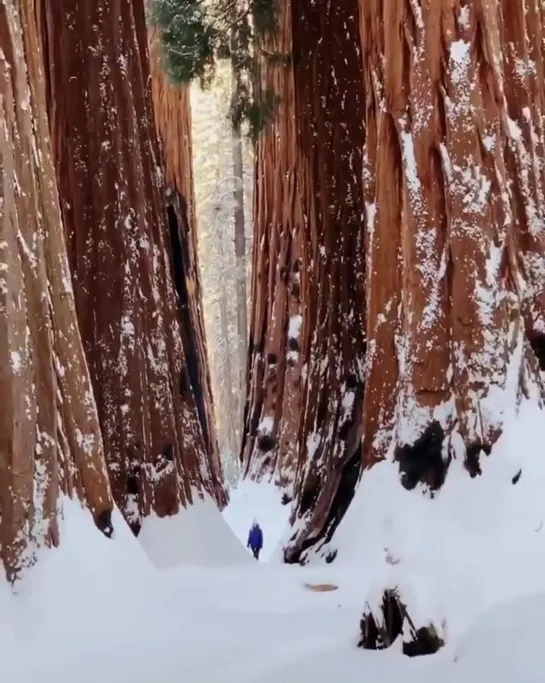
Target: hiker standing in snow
[{"x": 255, "y": 539}]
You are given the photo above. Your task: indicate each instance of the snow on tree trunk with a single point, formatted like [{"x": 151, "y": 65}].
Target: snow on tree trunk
[
  {"x": 329, "y": 106},
  {"x": 112, "y": 197},
  {"x": 49, "y": 429},
  {"x": 454, "y": 185},
  {"x": 173, "y": 119},
  {"x": 273, "y": 401}
]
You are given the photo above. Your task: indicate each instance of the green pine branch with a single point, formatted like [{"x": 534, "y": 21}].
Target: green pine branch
[{"x": 196, "y": 34}]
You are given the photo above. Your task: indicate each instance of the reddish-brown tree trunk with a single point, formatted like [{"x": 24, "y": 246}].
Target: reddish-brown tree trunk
[
  {"x": 456, "y": 203},
  {"x": 50, "y": 440},
  {"x": 172, "y": 112},
  {"x": 112, "y": 197},
  {"x": 329, "y": 107}
]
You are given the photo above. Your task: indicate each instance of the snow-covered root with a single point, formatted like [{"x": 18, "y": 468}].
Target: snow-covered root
[
  {"x": 379, "y": 632},
  {"x": 428, "y": 564}
]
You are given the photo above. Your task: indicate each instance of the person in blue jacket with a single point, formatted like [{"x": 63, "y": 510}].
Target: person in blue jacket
[{"x": 255, "y": 539}]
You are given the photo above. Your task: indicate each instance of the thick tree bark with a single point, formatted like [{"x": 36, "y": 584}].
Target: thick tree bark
[
  {"x": 112, "y": 197},
  {"x": 456, "y": 203},
  {"x": 50, "y": 440},
  {"x": 274, "y": 385},
  {"x": 330, "y": 117},
  {"x": 461, "y": 229},
  {"x": 173, "y": 119}
]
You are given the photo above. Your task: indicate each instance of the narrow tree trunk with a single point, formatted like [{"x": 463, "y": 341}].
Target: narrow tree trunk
[
  {"x": 240, "y": 239},
  {"x": 50, "y": 440},
  {"x": 273, "y": 398},
  {"x": 231, "y": 398},
  {"x": 173, "y": 118},
  {"x": 112, "y": 197},
  {"x": 329, "y": 112}
]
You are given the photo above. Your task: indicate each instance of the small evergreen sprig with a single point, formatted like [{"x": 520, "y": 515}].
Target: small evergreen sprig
[{"x": 196, "y": 34}]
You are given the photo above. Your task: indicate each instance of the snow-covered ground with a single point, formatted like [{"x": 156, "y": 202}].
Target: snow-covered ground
[
  {"x": 262, "y": 502},
  {"x": 187, "y": 602}
]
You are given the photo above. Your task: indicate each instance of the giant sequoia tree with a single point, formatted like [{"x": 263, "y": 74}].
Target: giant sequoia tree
[
  {"x": 460, "y": 135},
  {"x": 173, "y": 119},
  {"x": 329, "y": 112},
  {"x": 50, "y": 440},
  {"x": 454, "y": 186},
  {"x": 271, "y": 422},
  {"x": 112, "y": 197},
  {"x": 423, "y": 121}
]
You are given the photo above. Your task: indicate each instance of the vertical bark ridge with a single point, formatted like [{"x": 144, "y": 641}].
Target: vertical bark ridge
[{"x": 172, "y": 112}]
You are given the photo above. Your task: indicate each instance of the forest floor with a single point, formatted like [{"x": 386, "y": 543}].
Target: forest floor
[{"x": 187, "y": 603}]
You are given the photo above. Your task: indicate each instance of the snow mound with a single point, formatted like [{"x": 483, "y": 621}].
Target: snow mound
[
  {"x": 262, "y": 501},
  {"x": 503, "y": 644},
  {"x": 196, "y": 535},
  {"x": 477, "y": 543}
]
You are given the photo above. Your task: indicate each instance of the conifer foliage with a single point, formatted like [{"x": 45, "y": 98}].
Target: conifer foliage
[{"x": 197, "y": 34}]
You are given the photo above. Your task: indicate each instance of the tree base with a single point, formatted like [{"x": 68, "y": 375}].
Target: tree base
[{"x": 379, "y": 634}]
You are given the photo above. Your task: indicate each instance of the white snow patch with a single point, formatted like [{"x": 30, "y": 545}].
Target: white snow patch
[
  {"x": 478, "y": 542},
  {"x": 294, "y": 328},
  {"x": 266, "y": 425},
  {"x": 459, "y": 53},
  {"x": 16, "y": 362},
  {"x": 409, "y": 157}
]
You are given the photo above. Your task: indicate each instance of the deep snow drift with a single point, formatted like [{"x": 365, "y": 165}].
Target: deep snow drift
[
  {"x": 99, "y": 610},
  {"x": 476, "y": 543}
]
